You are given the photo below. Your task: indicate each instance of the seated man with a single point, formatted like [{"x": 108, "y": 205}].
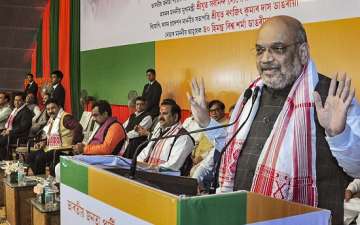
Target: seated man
[
  {"x": 138, "y": 118},
  {"x": 17, "y": 125},
  {"x": 170, "y": 152},
  {"x": 216, "y": 112},
  {"x": 108, "y": 138},
  {"x": 352, "y": 203},
  {"x": 61, "y": 132},
  {"x": 202, "y": 170},
  {"x": 31, "y": 104},
  {"x": 5, "y": 109},
  {"x": 38, "y": 122}
]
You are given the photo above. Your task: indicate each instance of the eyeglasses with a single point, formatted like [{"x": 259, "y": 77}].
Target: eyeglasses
[{"x": 274, "y": 49}]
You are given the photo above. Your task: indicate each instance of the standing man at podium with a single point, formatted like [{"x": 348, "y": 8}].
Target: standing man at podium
[{"x": 302, "y": 138}]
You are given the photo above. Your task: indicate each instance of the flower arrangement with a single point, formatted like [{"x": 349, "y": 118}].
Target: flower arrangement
[
  {"x": 39, "y": 188},
  {"x": 10, "y": 167},
  {"x": 43, "y": 189}
]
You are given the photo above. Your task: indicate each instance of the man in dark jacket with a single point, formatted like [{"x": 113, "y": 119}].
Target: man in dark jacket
[
  {"x": 17, "y": 125},
  {"x": 316, "y": 146},
  {"x": 32, "y": 86},
  {"x": 138, "y": 118},
  {"x": 58, "y": 92},
  {"x": 152, "y": 93}
]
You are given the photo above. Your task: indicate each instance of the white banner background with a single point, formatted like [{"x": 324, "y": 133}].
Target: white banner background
[
  {"x": 81, "y": 209},
  {"x": 107, "y": 23}
]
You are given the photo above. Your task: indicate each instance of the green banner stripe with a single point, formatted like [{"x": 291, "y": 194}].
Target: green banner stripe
[
  {"x": 178, "y": 213},
  {"x": 75, "y": 57},
  {"x": 110, "y": 73},
  {"x": 54, "y": 34},
  {"x": 227, "y": 209},
  {"x": 74, "y": 175},
  {"x": 39, "y": 59}
]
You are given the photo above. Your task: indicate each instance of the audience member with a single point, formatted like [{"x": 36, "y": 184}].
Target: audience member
[
  {"x": 108, "y": 138},
  {"x": 38, "y": 122},
  {"x": 352, "y": 203},
  {"x": 138, "y": 118},
  {"x": 17, "y": 125},
  {"x": 31, "y": 104},
  {"x": 5, "y": 109},
  {"x": 173, "y": 152},
  {"x": 61, "y": 132}
]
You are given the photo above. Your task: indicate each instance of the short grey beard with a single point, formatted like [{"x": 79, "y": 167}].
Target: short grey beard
[{"x": 279, "y": 85}]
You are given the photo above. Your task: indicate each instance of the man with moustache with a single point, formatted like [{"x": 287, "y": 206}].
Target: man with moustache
[
  {"x": 108, "y": 138},
  {"x": 292, "y": 147},
  {"x": 17, "y": 125},
  {"x": 61, "y": 132},
  {"x": 171, "y": 152}
]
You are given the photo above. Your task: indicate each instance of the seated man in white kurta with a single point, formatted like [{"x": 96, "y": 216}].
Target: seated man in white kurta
[{"x": 171, "y": 152}]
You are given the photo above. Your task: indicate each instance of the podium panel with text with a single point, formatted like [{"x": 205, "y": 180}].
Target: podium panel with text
[{"x": 91, "y": 195}]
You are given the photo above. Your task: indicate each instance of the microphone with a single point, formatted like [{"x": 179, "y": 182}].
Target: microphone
[
  {"x": 214, "y": 184},
  {"x": 247, "y": 95}
]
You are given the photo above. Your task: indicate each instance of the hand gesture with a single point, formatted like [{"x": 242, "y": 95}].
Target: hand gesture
[
  {"x": 332, "y": 115},
  {"x": 198, "y": 104},
  {"x": 78, "y": 148},
  {"x": 40, "y": 145},
  {"x": 141, "y": 130}
]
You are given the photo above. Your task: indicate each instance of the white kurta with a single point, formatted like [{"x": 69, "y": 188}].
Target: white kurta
[
  {"x": 180, "y": 151},
  {"x": 352, "y": 207}
]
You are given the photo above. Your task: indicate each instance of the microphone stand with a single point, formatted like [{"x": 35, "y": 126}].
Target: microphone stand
[{"x": 214, "y": 184}]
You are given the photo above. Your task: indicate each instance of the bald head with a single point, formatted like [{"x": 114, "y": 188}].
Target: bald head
[
  {"x": 281, "y": 51},
  {"x": 288, "y": 25}
]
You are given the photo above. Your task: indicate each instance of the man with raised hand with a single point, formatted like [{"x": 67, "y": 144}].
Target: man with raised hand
[{"x": 302, "y": 138}]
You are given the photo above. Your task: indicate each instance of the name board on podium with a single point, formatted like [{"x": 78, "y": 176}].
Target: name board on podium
[{"x": 92, "y": 195}]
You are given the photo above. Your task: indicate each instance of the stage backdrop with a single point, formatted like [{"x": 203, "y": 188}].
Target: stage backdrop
[{"x": 212, "y": 39}]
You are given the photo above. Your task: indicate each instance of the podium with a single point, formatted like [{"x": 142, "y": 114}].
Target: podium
[
  {"x": 173, "y": 184},
  {"x": 92, "y": 195}
]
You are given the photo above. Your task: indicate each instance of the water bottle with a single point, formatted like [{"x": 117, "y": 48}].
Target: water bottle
[
  {"x": 21, "y": 174},
  {"x": 49, "y": 192},
  {"x": 46, "y": 194},
  {"x": 50, "y": 195}
]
